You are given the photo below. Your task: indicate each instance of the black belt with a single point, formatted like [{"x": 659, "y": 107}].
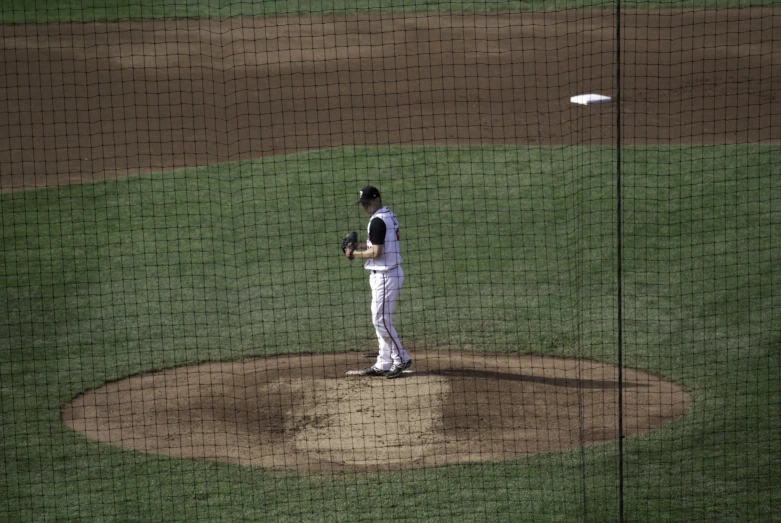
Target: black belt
[{"x": 386, "y": 270}]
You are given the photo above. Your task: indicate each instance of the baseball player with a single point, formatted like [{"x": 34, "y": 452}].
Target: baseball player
[{"x": 383, "y": 261}]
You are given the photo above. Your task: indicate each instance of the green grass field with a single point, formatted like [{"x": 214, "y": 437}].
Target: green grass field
[
  {"x": 506, "y": 249},
  {"x": 21, "y": 11}
]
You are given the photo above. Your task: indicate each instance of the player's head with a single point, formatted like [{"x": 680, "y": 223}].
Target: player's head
[{"x": 370, "y": 198}]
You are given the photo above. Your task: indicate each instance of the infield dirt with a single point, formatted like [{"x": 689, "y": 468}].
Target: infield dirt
[{"x": 91, "y": 101}]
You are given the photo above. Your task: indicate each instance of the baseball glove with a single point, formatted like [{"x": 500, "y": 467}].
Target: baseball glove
[{"x": 350, "y": 242}]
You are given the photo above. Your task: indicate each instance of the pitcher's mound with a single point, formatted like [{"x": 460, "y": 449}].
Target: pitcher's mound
[{"x": 304, "y": 412}]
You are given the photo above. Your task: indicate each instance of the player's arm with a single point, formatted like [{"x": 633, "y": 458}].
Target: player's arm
[
  {"x": 375, "y": 251},
  {"x": 377, "y": 230}
]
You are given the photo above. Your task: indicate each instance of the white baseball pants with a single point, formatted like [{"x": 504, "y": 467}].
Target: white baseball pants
[{"x": 385, "y": 290}]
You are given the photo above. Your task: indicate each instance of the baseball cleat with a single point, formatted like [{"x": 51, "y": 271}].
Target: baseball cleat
[{"x": 397, "y": 370}]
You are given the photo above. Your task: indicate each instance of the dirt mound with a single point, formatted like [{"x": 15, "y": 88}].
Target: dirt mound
[{"x": 303, "y": 412}]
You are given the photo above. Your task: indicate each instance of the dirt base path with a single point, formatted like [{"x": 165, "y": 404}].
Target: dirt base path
[
  {"x": 303, "y": 412},
  {"x": 89, "y": 101}
]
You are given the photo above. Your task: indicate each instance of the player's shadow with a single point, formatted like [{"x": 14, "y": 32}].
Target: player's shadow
[{"x": 570, "y": 383}]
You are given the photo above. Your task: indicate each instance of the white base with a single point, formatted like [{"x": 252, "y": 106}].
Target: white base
[{"x": 589, "y": 99}]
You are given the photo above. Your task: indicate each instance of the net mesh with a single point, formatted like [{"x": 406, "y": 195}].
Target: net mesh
[{"x": 588, "y": 292}]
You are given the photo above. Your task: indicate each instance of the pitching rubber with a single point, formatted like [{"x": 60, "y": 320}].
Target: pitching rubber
[{"x": 358, "y": 372}]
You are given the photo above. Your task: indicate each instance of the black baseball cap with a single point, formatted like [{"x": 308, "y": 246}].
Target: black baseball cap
[{"x": 368, "y": 194}]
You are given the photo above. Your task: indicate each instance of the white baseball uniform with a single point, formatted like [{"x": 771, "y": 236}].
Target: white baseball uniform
[{"x": 386, "y": 280}]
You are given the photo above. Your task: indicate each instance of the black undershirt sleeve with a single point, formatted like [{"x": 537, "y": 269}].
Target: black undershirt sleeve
[{"x": 377, "y": 231}]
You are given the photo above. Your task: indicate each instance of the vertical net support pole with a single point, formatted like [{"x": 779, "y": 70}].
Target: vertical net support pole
[{"x": 619, "y": 272}]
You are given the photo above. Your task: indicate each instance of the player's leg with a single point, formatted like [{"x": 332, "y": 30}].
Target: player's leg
[
  {"x": 379, "y": 307},
  {"x": 385, "y": 292}
]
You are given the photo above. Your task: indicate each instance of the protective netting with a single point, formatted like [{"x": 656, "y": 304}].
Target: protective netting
[{"x": 588, "y": 292}]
